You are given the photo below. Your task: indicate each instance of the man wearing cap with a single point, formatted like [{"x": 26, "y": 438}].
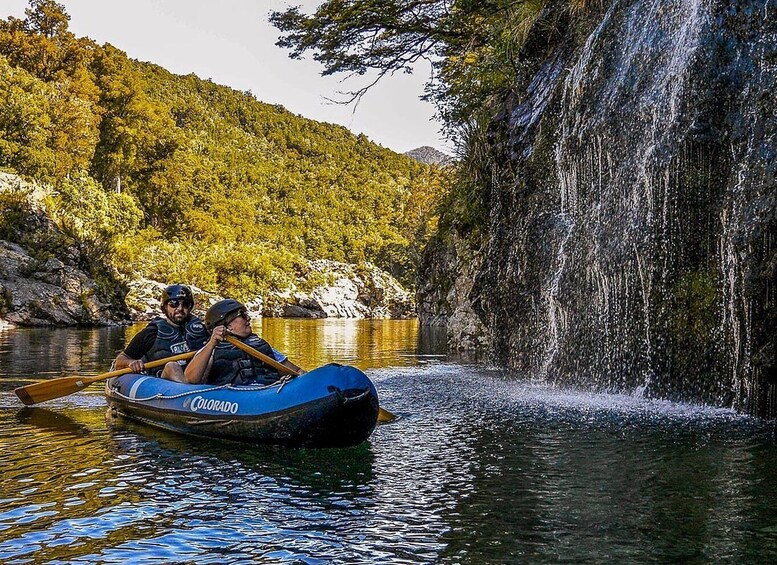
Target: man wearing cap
[
  {"x": 178, "y": 331},
  {"x": 219, "y": 362}
]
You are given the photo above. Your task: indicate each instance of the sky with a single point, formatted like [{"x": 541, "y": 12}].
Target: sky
[{"x": 231, "y": 43}]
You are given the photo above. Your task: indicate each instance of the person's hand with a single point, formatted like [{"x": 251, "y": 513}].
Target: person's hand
[
  {"x": 137, "y": 366},
  {"x": 218, "y": 335}
]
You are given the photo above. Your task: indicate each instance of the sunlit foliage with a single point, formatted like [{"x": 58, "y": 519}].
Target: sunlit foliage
[{"x": 176, "y": 178}]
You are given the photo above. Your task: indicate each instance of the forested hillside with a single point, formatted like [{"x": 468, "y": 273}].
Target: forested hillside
[{"x": 176, "y": 178}]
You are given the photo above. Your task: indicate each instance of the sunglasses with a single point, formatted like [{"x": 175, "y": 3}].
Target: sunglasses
[
  {"x": 176, "y": 303},
  {"x": 239, "y": 314}
]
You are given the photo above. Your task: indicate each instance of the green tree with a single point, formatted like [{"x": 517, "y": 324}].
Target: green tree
[
  {"x": 47, "y": 18},
  {"x": 46, "y": 130},
  {"x": 25, "y": 122},
  {"x": 456, "y": 36},
  {"x": 91, "y": 215},
  {"x": 174, "y": 177},
  {"x": 134, "y": 131},
  {"x": 42, "y": 44}
]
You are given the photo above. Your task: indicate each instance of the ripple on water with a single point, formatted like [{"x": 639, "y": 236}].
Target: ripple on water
[{"x": 481, "y": 467}]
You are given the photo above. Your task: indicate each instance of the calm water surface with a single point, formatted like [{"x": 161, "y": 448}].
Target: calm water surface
[{"x": 483, "y": 467}]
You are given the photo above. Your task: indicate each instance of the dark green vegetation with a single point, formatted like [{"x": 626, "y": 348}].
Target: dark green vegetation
[
  {"x": 477, "y": 48},
  {"x": 176, "y": 178}
]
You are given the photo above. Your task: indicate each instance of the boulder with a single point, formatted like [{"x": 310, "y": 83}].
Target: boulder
[
  {"x": 340, "y": 290},
  {"x": 48, "y": 292}
]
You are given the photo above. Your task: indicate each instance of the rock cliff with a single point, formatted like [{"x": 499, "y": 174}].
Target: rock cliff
[
  {"x": 632, "y": 207},
  {"x": 340, "y": 290},
  {"x": 37, "y": 286}
]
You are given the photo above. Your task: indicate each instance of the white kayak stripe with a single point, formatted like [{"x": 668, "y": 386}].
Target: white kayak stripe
[{"x": 136, "y": 386}]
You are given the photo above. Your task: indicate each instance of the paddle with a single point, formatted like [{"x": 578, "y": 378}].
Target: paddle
[
  {"x": 55, "y": 388},
  {"x": 280, "y": 367},
  {"x": 383, "y": 415}
]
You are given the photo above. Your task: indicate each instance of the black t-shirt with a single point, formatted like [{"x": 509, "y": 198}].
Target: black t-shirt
[{"x": 141, "y": 343}]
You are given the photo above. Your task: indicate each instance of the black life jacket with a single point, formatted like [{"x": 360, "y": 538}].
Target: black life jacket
[
  {"x": 233, "y": 366},
  {"x": 173, "y": 340}
]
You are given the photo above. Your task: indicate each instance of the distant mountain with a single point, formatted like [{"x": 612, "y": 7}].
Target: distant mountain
[{"x": 429, "y": 155}]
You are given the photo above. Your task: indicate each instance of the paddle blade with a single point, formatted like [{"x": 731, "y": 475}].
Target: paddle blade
[
  {"x": 48, "y": 390},
  {"x": 384, "y": 416}
]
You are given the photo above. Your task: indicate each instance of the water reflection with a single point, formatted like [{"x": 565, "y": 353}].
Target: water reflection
[
  {"x": 27, "y": 354},
  {"x": 484, "y": 467},
  {"x": 56, "y": 421},
  {"x": 325, "y": 470},
  {"x": 365, "y": 343},
  {"x": 115, "y": 493}
]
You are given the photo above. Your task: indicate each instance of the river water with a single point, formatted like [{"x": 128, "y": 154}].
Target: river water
[{"x": 482, "y": 467}]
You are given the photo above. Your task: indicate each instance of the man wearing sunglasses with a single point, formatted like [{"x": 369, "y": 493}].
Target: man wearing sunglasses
[
  {"x": 178, "y": 331},
  {"x": 219, "y": 362}
]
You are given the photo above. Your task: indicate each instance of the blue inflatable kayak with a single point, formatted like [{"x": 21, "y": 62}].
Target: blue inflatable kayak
[{"x": 332, "y": 406}]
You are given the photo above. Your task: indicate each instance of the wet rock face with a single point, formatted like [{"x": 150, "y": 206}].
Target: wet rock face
[
  {"x": 444, "y": 296},
  {"x": 634, "y": 247}
]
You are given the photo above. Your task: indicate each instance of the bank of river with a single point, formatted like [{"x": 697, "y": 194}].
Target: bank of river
[{"x": 483, "y": 467}]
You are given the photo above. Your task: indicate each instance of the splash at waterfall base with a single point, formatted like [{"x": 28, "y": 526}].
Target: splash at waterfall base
[{"x": 631, "y": 208}]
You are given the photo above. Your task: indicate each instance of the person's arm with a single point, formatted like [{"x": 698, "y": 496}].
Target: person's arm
[
  {"x": 138, "y": 346},
  {"x": 197, "y": 369},
  {"x": 123, "y": 361}
]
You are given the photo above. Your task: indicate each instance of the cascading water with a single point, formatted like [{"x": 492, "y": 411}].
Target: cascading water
[
  {"x": 633, "y": 250},
  {"x": 747, "y": 219},
  {"x": 625, "y": 115}
]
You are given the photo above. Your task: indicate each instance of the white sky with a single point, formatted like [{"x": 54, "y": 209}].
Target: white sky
[{"x": 231, "y": 42}]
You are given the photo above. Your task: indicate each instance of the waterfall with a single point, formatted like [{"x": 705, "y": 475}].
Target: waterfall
[
  {"x": 747, "y": 215},
  {"x": 633, "y": 207},
  {"x": 623, "y": 125}
]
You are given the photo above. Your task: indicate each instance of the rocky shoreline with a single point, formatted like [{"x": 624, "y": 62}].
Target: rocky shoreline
[
  {"x": 344, "y": 291},
  {"x": 38, "y": 289},
  {"x": 51, "y": 293}
]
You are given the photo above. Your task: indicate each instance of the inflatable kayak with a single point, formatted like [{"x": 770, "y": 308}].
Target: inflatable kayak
[{"x": 332, "y": 406}]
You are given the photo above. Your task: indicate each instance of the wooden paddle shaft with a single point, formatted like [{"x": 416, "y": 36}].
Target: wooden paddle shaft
[
  {"x": 283, "y": 369},
  {"x": 383, "y": 414},
  {"x": 63, "y": 386},
  {"x": 149, "y": 365}
]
